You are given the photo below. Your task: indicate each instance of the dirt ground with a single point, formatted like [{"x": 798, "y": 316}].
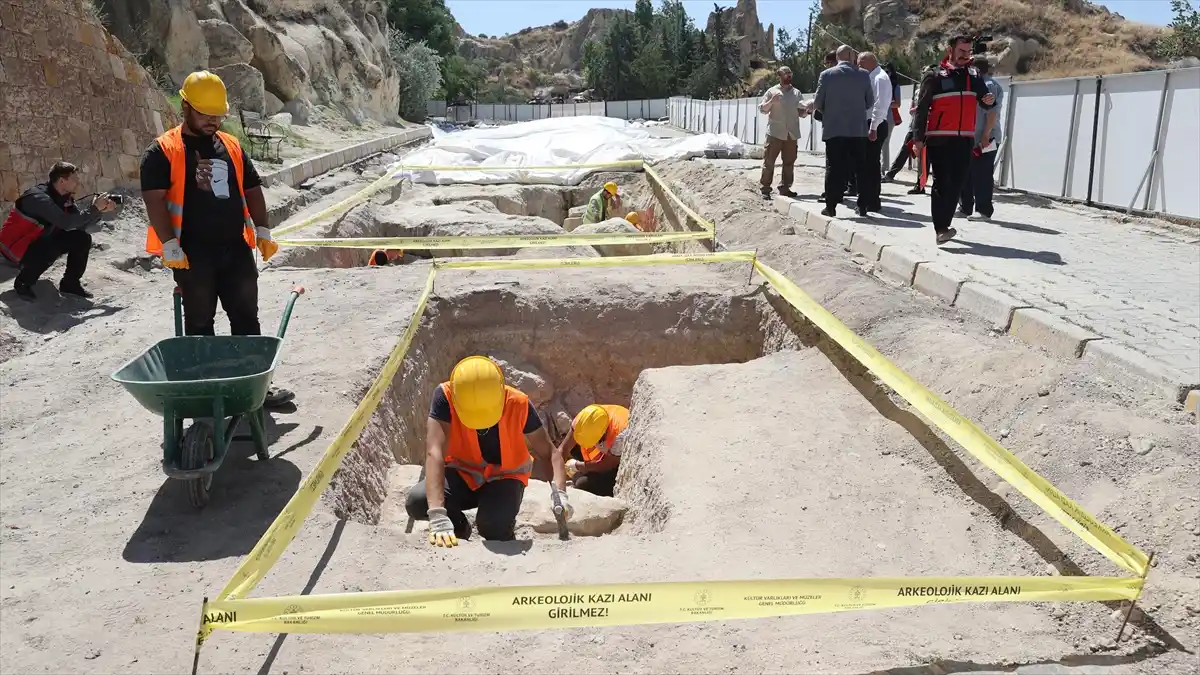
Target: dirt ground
[{"x": 791, "y": 464}]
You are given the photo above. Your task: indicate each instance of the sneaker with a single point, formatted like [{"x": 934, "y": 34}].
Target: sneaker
[
  {"x": 75, "y": 289},
  {"x": 916, "y": 191},
  {"x": 829, "y": 212},
  {"x": 766, "y": 196},
  {"x": 889, "y": 177},
  {"x": 979, "y": 217},
  {"x": 24, "y": 291},
  {"x": 946, "y": 235},
  {"x": 787, "y": 192},
  {"x": 278, "y": 396}
]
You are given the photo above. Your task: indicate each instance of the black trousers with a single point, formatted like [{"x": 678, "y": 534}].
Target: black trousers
[
  {"x": 869, "y": 178},
  {"x": 599, "y": 484},
  {"x": 951, "y": 161},
  {"x": 976, "y": 193},
  {"x": 843, "y": 155},
  {"x": 42, "y": 253},
  {"x": 498, "y": 503},
  {"x": 227, "y": 274}
]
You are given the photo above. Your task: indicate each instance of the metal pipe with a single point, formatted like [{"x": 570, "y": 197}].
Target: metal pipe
[
  {"x": 1158, "y": 137},
  {"x": 1095, "y": 137},
  {"x": 1072, "y": 132},
  {"x": 1009, "y": 123}
]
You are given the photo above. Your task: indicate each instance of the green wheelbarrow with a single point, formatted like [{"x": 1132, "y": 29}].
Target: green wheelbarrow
[{"x": 213, "y": 380}]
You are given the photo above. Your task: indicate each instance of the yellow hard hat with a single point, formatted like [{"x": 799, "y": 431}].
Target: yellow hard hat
[
  {"x": 610, "y": 188},
  {"x": 205, "y": 93},
  {"x": 590, "y": 426},
  {"x": 632, "y": 217},
  {"x": 477, "y": 392}
]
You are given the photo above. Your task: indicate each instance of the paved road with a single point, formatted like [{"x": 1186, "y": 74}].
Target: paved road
[{"x": 1133, "y": 281}]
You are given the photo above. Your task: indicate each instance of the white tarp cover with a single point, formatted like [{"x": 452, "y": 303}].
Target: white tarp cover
[{"x": 554, "y": 142}]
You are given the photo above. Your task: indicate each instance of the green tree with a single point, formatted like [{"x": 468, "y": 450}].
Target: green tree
[
  {"x": 651, "y": 73},
  {"x": 723, "y": 53},
  {"x": 426, "y": 20},
  {"x": 643, "y": 15},
  {"x": 1184, "y": 39},
  {"x": 419, "y": 68},
  {"x": 462, "y": 79}
]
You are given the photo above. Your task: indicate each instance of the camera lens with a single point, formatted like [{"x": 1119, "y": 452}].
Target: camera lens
[{"x": 117, "y": 198}]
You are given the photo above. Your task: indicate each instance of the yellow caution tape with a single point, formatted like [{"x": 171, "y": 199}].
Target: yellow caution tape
[
  {"x": 540, "y": 607},
  {"x": 338, "y": 208},
  {"x": 704, "y": 222},
  {"x": 964, "y": 431},
  {"x": 497, "y": 241},
  {"x": 615, "y": 261},
  {"x": 281, "y": 532}
]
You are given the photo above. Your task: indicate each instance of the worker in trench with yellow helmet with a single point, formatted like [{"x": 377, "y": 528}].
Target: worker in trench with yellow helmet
[
  {"x": 478, "y": 438},
  {"x": 594, "y": 446},
  {"x": 603, "y": 204}
]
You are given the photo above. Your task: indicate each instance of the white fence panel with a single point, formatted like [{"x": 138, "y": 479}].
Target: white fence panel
[
  {"x": 1040, "y": 137},
  {"x": 1080, "y": 158},
  {"x": 1129, "y": 107},
  {"x": 1177, "y": 175}
]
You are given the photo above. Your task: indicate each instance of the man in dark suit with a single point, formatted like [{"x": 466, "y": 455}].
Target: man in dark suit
[{"x": 844, "y": 94}]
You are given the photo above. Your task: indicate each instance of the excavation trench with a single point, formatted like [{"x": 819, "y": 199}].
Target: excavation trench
[
  {"x": 409, "y": 210},
  {"x": 579, "y": 346}
]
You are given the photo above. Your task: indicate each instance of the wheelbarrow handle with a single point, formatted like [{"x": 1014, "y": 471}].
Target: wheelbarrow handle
[{"x": 287, "y": 311}]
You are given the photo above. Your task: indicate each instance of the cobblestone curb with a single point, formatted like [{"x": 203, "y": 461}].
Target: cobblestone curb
[
  {"x": 1031, "y": 324},
  {"x": 298, "y": 172}
]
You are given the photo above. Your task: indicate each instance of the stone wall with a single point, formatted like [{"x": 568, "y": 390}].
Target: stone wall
[{"x": 69, "y": 90}]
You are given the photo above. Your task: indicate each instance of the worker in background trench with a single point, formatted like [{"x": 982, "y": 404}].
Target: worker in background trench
[
  {"x": 603, "y": 204},
  {"x": 208, "y": 214},
  {"x": 594, "y": 446},
  {"x": 476, "y": 448},
  {"x": 633, "y": 219},
  {"x": 382, "y": 258},
  {"x": 45, "y": 223}
]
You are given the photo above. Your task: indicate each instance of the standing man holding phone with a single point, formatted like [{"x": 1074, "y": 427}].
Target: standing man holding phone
[{"x": 208, "y": 214}]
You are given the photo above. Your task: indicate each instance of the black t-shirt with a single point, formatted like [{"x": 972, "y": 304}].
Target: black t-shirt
[
  {"x": 489, "y": 440},
  {"x": 207, "y": 220}
]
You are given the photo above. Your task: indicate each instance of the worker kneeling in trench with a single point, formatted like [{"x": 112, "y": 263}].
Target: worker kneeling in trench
[
  {"x": 594, "y": 446},
  {"x": 475, "y": 448}
]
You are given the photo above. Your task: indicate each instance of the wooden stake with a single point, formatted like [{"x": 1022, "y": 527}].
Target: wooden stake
[{"x": 1129, "y": 611}]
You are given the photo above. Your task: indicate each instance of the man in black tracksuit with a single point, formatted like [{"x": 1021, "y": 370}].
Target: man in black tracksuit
[{"x": 944, "y": 123}]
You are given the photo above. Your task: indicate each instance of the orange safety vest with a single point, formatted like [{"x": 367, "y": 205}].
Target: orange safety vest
[
  {"x": 618, "y": 421},
  {"x": 172, "y": 146},
  {"x": 463, "y": 454},
  {"x": 952, "y": 112}
]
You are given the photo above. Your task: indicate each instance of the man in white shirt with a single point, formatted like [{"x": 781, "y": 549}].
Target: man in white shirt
[
  {"x": 784, "y": 109},
  {"x": 877, "y": 132}
]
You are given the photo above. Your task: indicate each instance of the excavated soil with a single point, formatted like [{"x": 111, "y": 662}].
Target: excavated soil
[{"x": 757, "y": 450}]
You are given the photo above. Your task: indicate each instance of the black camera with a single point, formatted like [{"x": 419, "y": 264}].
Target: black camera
[{"x": 979, "y": 43}]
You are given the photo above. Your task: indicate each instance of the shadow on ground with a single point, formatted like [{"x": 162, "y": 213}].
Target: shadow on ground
[
  {"x": 246, "y": 496},
  {"x": 52, "y": 312}
]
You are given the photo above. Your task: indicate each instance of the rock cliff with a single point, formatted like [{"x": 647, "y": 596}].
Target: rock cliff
[
  {"x": 756, "y": 46},
  {"x": 275, "y": 55},
  {"x": 1035, "y": 37},
  {"x": 70, "y": 91}
]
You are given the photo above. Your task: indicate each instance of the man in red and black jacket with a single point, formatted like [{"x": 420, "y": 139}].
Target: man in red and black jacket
[
  {"x": 44, "y": 224},
  {"x": 944, "y": 123}
]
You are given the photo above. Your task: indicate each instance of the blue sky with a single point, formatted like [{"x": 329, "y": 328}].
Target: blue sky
[{"x": 499, "y": 17}]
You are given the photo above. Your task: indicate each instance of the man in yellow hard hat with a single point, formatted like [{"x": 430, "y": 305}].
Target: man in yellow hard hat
[
  {"x": 594, "y": 445},
  {"x": 208, "y": 214},
  {"x": 603, "y": 204},
  {"x": 477, "y": 442},
  {"x": 633, "y": 219}
]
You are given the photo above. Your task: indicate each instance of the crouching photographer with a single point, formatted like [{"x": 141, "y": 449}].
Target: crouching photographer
[{"x": 46, "y": 223}]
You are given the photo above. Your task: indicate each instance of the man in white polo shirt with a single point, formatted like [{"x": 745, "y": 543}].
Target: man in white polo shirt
[{"x": 782, "y": 105}]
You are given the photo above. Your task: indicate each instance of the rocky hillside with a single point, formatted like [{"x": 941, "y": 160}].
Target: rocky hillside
[
  {"x": 545, "y": 61},
  {"x": 275, "y": 55},
  {"x": 1038, "y": 38}
]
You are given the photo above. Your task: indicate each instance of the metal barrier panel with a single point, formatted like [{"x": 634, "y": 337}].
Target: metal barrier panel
[
  {"x": 1129, "y": 109},
  {"x": 1176, "y": 187},
  {"x": 1080, "y": 158},
  {"x": 435, "y": 108},
  {"x": 658, "y": 108},
  {"x": 1040, "y": 135}
]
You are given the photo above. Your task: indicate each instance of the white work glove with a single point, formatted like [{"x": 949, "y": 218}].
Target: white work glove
[
  {"x": 173, "y": 256},
  {"x": 574, "y": 467},
  {"x": 441, "y": 529},
  {"x": 568, "y": 510},
  {"x": 266, "y": 245}
]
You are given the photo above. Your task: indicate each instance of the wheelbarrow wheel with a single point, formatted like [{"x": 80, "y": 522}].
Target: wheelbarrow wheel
[{"x": 195, "y": 451}]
